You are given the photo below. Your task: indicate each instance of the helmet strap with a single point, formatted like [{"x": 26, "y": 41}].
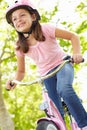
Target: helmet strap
[{"x": 30, "y": 31}]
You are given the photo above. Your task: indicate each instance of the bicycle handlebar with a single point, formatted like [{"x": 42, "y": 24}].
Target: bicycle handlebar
[
  {"x": 43, "y": 77},
  {"x": 66, "y": 60}
]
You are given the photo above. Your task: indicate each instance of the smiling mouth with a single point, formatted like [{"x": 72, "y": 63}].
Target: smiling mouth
[{"x": 21, "y": 24}]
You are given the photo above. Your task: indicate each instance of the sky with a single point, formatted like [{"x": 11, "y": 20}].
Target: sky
[{"x": 66, "y": 8}]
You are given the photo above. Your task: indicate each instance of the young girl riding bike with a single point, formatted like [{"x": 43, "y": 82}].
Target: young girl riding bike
[{"x": 38, "y": 41}]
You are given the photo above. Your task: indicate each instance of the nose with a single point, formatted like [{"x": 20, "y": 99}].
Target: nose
[{"x": 18, "y": 19}]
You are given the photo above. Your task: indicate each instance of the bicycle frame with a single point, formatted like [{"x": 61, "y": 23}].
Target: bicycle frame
[{"x": 52, "y": 112}]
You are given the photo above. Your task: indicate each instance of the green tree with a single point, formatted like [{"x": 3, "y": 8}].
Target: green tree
[{"x": 6, "y": 122}]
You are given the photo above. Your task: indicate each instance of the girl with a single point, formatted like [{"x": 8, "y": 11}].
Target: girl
[{"x": 39, "y": 43}]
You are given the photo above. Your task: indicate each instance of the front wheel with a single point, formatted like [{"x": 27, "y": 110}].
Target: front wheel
[{"x": 46, "y": 125}]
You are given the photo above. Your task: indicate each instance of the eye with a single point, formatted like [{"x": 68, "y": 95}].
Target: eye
[
  {"x": 22, "y": 14},
  {"x": 13, "y": 19}
]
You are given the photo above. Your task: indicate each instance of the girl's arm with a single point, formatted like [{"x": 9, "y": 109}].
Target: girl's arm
[
  {"x": 19, "y": 74},
  {"x": 75, "y": 41},
  {"x": 20, "y": 68}
]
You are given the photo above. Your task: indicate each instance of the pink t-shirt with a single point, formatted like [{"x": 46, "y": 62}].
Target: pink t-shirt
[{"x": 48, "y": 54}]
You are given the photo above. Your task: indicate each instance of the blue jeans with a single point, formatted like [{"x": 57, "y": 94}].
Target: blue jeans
[{"x": 60, "y": 86}]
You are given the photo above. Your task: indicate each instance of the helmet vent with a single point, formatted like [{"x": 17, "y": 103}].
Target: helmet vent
[{"x": 16, "y": 1}]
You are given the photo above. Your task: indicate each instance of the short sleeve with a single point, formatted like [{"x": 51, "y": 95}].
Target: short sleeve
[
  {"x": 18, "y": 52},
  {"x": 49, "y": 30}
]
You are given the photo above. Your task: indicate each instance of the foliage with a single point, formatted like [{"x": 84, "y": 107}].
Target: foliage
[
  {"x": 24, "y": 106},
  {"x": 47, "y": 16},
  {"x": 23, "y": 102}
]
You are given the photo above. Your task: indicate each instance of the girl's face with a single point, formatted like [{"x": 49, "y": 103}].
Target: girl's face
[{"x": 22, "y": 20}]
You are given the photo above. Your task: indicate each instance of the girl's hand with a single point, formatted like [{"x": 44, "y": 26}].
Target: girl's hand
[
  {"x": 10, "y": 85},
  {"x": 77, "y": 58}
]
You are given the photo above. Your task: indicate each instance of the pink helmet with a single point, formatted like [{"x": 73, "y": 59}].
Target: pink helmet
[{"x": 18, "y": 4}]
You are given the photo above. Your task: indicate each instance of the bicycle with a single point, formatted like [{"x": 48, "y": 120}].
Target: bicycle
[{"x": 53, "y": 119}]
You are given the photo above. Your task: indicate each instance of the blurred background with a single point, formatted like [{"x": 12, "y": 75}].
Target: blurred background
[{"x": 19, "y": 108}]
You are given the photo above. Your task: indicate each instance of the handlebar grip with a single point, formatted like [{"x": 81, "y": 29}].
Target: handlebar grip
[
  {"x": 11, "y": 84},
  {"x": 73, "y": 60},
  {"x": 83, "y": 60},
  {"x": 7, "y": 89}
]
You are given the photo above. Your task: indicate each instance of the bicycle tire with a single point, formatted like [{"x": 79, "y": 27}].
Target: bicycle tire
[{"x": 46, "y": 125}]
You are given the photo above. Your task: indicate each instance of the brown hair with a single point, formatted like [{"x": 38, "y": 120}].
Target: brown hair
[{"x": 22, "y": 43}]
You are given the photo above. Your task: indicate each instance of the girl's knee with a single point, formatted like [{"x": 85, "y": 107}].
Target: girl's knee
[{"x": 65, "y": 90}]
